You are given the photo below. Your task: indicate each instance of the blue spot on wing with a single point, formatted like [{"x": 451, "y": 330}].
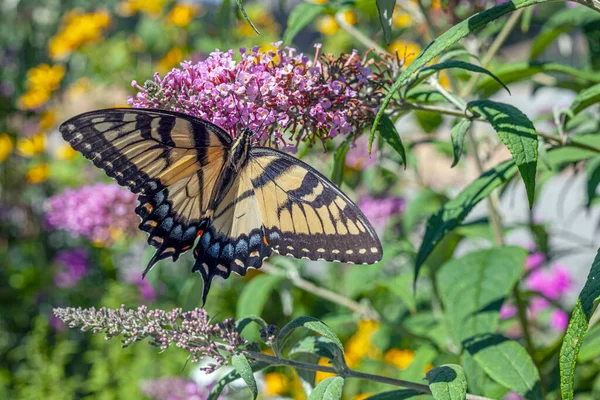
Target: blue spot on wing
[{"x": 241, "y": 247}]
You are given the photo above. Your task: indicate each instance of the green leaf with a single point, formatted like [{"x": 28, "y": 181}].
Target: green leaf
[
  {"x": 328, "y": 389},
  {"x": 242, "y": 366},
  {"x": 240, "y": 324},
  {"x": 586, "y": 98},
  {"x": 306, "y": 376},
  {"x": 396, "y": 395},
  {"x": 476, "y": 377},
  {"x": 592, "y": 170},
  {"x": 339, "y": 160},
  {"x": 464, "y": 65},
  {"x": 255, "y": 294},
  {"x": 518, "y": 134},
  {"x": 318, "y": 345},
  {"x": 230, "y": 377},
  {"x": 445, "y": 41},
  {"x": 447, "y": 382},
  {"x": 456, "y": 210},
  {"x": 506, "y": 362},
  {"x": 578, "y": 325},
  {"x": 458, "y": 138},
  {"x": 240, "y": 4},
  {"x": 388, "y": 131},
  {"x": 425, "y": 203},
  {"x": 310, "y": 323},
  {"x": 472, "y": 289},
  {"x": 386, "y": 10},
  {"x": 590, "y": 349},
  {"x": 300, "y": 16}
]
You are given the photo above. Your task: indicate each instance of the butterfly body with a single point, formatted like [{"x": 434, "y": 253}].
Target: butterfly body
[{"x": 232, "y": 202}]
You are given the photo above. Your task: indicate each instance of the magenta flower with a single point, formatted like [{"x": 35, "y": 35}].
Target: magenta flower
[
  {"x": 174, "y": 388},
  {"x": 101, "y": 213},
  {"x": 274, "y": 92},
  {"x": 72, "y": 267},
  {"x": 358, "y": 156},
  {"x": 559, "y": 320},
  {"x": 507, "y": 311},
  {"x": 145, "y": 288},
  {"x": 534, "y": 260},
  {"x": 552, "y": 282},
  {"x": 379, "y": 211}
]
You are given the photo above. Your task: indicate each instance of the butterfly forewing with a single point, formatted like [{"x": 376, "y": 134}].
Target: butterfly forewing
[
  {"x": 172, "y": 161},
  {"x": 306, "y": 216}
]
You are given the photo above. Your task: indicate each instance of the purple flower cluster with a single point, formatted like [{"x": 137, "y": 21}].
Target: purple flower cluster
[
  {"x": 379, "y": 211},
  {"x": 191, "y": 331},
  {"x": 174, "y": 388},
  {"x": 101, "y": 213},
  {"x": 145, "y": 288},
  {"x": 273, "y": 92},
  {"x": 72, "y": 267}
]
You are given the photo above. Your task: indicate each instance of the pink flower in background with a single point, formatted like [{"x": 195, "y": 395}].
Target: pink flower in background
[
  {"x": 56, "y": 323},
  {"x": 72, "y": 267},
  {"x": 559, "y": 320},
  {"x": 358, "y": 156},
  {"x": 552, "y": 282},
  {"x": 174, "y": 388},
  {"x": 507, "y": 311},
  {"x": 145, "y": 288},
  {"x": 534, "y": 260},
  {"x": 379, "y": 211},
  {"x": 101, "y": 213},
  {"x": 537, "y": 305},
  {"x": 275, "y": 92}
]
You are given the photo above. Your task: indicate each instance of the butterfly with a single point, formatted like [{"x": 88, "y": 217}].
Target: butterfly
[{"x": 233, "y": 202}]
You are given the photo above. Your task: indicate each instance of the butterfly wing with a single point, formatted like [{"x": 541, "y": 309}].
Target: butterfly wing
[
  {"x": 172, "y": 161},
  {"x": 305, "y": 215}
]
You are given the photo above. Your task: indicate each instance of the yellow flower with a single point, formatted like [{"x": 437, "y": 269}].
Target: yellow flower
[
  {"x": 42, "y": 80},
  {"x": 28, "y": 147},
  {"x": 362, "y": 396},
  {"x": 327, "y": 25},
  {"x": 400, "y": 358},
  {"x": 427, "y": 368},
  {"x": 276, "y": 383},
  {"x": 349, "y": 17},
  {"x": 405, "y": 50},
  {"x": 47, "y": 120},
  {"x": 78, "y": 29},
  {"x": 402, "y": 19},
  {"x": 65, "y": 152},
  {"x": 320, "y": 375},
  {"x": 182, "y": 14},
  {"x": 359, "y": 345},
  {"x": 79, "y": 88},
  {"x": 33, "y": 98},
  {"x": 319, "y": 2},
  {"x": 38, "y": 174},
  {"x": 170, "y": 60},
  {"x": 6, "y": 146},
  {"x": 151, "y": 7}
]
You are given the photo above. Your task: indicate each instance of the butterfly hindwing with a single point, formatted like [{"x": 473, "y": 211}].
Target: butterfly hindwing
[
  {"x": 172, "y": 161},
  {"x": 306, "y": 216}
]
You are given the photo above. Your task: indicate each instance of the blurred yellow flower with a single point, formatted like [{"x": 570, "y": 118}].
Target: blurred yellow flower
[
  {"x": 47, "y": 120},
  {"x": 78, "y": 29},
  {"x": 427, "y": 368},
  {"x": 320, "y": 375},
  {"x": 38, "y": 174},
  {"x": 170, "y": 60},
  {"x": 28, "y": 147},
  {"x": 42, "y": 80},
  {"x": 362, "y": 396},
  {"x": 359, "y": 345},
  {"x": 399, "y": 358},
  {"x": 402, "y": 19},
  {"x": 79, "y": 88},
  {"x": 406, "y": 50},
  {"x": 182, "y": 14},
  {"x": 6, "y": 146},
  {"x": 277, "y": 383},
  {"x": 327, "y": 25},
  {"x": 349, "y": 17},
  {"x": 65, "y": 152},
  {"x": 319, "y": 1},
  {"x": 151, "y": 7}
]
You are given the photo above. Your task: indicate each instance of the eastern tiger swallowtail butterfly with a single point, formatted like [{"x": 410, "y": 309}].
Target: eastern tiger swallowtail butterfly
[{"x": 240, "y": 202}]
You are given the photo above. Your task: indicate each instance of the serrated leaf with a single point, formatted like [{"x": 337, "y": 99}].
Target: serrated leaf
[
  {"x": 592, "y": 170},
  {"x": 300, "y": 16},
  {"x": 255, "y": 294},
  {"x": 458, "y": 138},
  {"x": 310, "y": 323},
  {"x": 388, "y": 132},
  {"x": 578, "y": 325},
  {"x": 447, "y": 382},
  {"x": 456, "y": 210},
  {"x": 586, "y": 98},
  {"x": 339, "y": 160},
  {"x": 466, "y": 66},
  {"x": 386, "y": 10},
  {"x": 243, "y": 368},
  {"x": 518, "y": 134},
  {"x": 400, "y": 394},
  {"x": 445, "y": 41},
  {"x": 215, "y": 392},
  {"x": 240, "y": 4},
  {"x": 328, "y": 389},
  {"x": 506, "y": 362},
  {"x": 473, "y": 287}
]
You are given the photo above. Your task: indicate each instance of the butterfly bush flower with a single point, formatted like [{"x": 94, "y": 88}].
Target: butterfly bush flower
[
  {"x": 174, "y": 388},
  {"x": 274, "y": 92},
  {"x": 535, "y": 260},
  {"x": 379, "y": 211},
  {"x": 101, "y": 213},
  {"x": 191, "y": 330},
  {"x": 73, "y": 265}
]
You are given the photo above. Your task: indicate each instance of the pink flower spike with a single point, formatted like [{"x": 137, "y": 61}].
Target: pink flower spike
[
  {"x": 507, "y": 311},
  {"x": 534, "y": 260},
  {"x": 559, "y": 320}
]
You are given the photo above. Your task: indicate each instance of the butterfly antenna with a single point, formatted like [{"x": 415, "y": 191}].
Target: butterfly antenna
[{"x": 237, "y": 107}]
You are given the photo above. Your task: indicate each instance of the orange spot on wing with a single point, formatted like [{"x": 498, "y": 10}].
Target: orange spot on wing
[
  {"x": 200, "y": 232},
  {"x": 148, "y": 207},
  {"x": 186, "y": 248},
  {"x": 265, "y": 240}
]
